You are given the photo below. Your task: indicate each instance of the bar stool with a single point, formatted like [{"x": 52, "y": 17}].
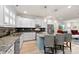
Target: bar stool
[
  {"x": 49, "y": 43},
  {"x": 59, "y": 42},
  {"x": 68, "y": 39}
]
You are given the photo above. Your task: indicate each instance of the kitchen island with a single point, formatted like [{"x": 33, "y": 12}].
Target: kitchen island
[{"x": 40, "y": 41}]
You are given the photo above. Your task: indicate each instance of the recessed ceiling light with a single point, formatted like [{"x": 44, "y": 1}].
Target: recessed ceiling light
[
  {"x": 55, "y": 21},
  {"x": 25, "y": 12},
  {"x": 68, "y": 25},
  {"x": 45, "y": 20},
  {"x": 69, "y": 6}
]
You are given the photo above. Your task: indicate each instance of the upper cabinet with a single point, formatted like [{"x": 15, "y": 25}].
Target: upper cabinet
[
  {"x": 29, "y": 22},
  {"x": 8, "y": 16},
  {"x": 40, "y": 22},
  {"x": 1, "y": 16},
  {"x": 25, "y": 22}
]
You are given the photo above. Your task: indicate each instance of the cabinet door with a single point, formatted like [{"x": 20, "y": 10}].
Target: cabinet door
[
  {"x": 9, "y": 16},
  {"x": 38, "y": 21},
  {"x": 31, "y": 23},
  {"x": 43, "y": 24},
  {"x": 25, "y": 22},
  {"x": 1, "y": 15},
  {"x": 19, "y": 21},
  {"x": 6, "y": 16},
  {"x": 11, "y": 50},
  {"x": 12, "y": 18},
  {"x": 17, "y": 46}
]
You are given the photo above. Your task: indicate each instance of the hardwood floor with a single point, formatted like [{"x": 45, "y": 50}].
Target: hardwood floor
[{"x": 29, "y": 48}]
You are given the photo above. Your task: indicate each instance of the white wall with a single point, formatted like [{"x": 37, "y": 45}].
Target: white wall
[{"x": 72, "y": 24}]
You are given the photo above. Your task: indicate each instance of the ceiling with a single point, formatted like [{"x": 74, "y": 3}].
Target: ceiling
[{"x": 60, "y": 12}]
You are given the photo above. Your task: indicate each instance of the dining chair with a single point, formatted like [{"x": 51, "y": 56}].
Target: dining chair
[
  {"x": 59, "y": 42},
  {"x": 49, "y": 44},
  {"x": 68, "y": 39}
]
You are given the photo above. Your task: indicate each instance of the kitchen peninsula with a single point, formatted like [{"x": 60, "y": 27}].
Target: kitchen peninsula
[{"x": 10, "y": 44}]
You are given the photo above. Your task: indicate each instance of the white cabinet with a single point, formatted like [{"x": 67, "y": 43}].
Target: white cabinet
[
  {"x": 40, "y": 22},
  {"x": 25, "y": 22},
  {"x": 11, "y": 50},
  {"x": 28, "y": 36},
  {"x": 19, "y": 22},
  {"x": 31, "y": 23},
  {"x": 1, "y": 15},
  {"x": 21, "y": 41},
  {"x": 43, "y": 24},
  {"x": 7, "y": 16}
]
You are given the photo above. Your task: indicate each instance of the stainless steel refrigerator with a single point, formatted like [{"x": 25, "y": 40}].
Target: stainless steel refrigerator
[{"x": 50, "y": 28}]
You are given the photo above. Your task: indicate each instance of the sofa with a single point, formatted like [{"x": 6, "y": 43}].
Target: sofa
[{"x": 74, "y": 32}]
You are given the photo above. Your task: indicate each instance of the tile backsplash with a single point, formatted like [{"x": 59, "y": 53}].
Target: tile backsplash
[{"x": 4, "y": 31}]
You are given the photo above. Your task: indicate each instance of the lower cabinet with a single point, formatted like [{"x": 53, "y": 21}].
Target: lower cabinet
[
  {"x": 15, "y": 48},
  {"x": 40, "y": 43},
  {"x": 11, "y": 50}
]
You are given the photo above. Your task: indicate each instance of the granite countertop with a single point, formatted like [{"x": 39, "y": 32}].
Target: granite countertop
[
  {"x": 7, "y": 41},
  {"x": 42, "y": 34}
]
